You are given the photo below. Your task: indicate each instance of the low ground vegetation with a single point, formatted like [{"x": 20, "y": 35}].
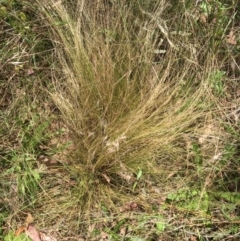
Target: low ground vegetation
[{"x": 119, "y": 120}]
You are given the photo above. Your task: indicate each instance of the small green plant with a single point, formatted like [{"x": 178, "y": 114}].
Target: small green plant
[
  {"x": 229, "y": 202},
  {"x": 191, "y": 200},
  {"x": 217, "y": 84},
  {"x": 27, "y": 177},
  {"x": 14, "y": 14},
  {"x": 11, "y": 237},
  {"x": 34, "y": 134},
  {"x": 139, "y": 175},
  {"x": 198, "y": 159}
]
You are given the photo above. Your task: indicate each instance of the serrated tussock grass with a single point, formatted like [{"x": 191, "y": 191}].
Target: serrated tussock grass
[{"x": 129, "y": 92}]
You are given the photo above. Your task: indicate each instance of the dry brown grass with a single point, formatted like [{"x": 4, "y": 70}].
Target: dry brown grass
[{"x": 127, "y": 108}]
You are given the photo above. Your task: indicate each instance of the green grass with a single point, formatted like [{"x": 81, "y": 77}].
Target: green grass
[{"x": 117, "y": 118}]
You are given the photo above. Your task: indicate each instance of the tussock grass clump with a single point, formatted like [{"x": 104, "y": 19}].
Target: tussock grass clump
[{"x": 131, "y": 94}]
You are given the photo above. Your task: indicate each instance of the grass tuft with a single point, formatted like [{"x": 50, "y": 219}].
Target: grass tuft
[{"x": 131, "y": 94}]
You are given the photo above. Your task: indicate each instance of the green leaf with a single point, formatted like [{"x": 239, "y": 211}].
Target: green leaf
[
  {"x": 11, "y": 237},
  {"x": 22, "y": 16},
  {"x": 182, "y": 195},
  {"x": 3, "y": 12},
  {"x": 190, "y": 199},
  {"x": 36, "y": 175},
  {"x": 134, "y": 186},
  {"x": 139, "y": 174},
  {"x": 160, "y": 226}
]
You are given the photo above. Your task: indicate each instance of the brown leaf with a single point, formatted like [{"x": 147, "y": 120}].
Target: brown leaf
[
  {"x": 231, "y": 38},
  {"x": 203, "y": 18},
  {"x": 107, "y": 178},
  {"x": 104, "y": 235},
  {"x": 123, "y": 231},
  {"x": 193, "y": 238},
  {"x": 91, "y": 228},
  {"x": 24, "y": 227},
  {"x": 45, "y": 237},
  {"x": 32, "y": 232},
  {"x": 30, "y": 71},
  {"x": 29, "y": 219},
  {"x": 132, "y": 206},
  {"x": 20, "y": 230}
]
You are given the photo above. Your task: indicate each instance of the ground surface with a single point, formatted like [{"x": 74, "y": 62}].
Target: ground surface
[{"x": 120, "y": 130}]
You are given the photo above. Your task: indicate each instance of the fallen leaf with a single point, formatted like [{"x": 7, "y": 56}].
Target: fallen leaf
[
  {"x": 231, "y": 38},
  {"x": 91, "y": 228},
  {"x": 30, "y": 72},
  {"x": 133, "y": 206},
  {"x": 193, "y": 238},
  {"x": 104, "y": 235},
  {"x": 29, "y": 219},
  {"x": 203, "y": 18},
  {"x": 45, "y": 237},
  {"x": 123, "y": 231},
  {"x": 24, "y": 227},
  {"x": 20, "y": 230},
  {"x": 106, "y": 178},
  {"x": 32, "y": 232}
]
